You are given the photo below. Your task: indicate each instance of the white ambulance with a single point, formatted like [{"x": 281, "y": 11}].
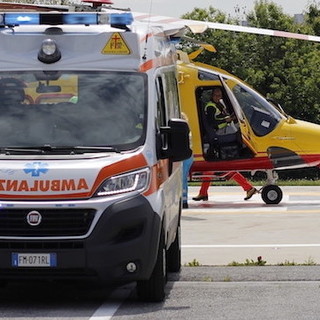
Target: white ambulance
[{"x": 91, "y": 146}]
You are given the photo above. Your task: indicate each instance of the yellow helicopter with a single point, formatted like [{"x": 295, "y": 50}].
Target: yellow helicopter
[{"x": 267, "y": 138}]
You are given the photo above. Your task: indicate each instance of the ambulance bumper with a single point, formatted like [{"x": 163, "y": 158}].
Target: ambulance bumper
[{"x": 121, "y": 248}]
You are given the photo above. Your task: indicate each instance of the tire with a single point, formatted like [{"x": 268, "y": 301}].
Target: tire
[
  {"x": 271, "y": 194},
  {"x": 153, "y": 289},
  {"x": 174, "y": 253}
]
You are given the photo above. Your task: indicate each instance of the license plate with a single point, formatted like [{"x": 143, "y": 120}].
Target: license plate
[{"x": 34, "y": 259}]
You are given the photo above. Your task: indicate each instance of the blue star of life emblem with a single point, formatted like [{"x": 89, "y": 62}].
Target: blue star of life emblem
[{"x": 36, "y": 168}]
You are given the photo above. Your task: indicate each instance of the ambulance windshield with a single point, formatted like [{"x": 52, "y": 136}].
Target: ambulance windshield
[{"x": 82, "y": 108}]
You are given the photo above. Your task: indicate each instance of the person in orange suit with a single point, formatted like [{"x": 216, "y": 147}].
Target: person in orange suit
[{"x": 234, "y": 175}]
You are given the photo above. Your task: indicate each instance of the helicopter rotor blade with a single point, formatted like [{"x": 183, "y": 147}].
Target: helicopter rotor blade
[{"x": 200, "y": 26}]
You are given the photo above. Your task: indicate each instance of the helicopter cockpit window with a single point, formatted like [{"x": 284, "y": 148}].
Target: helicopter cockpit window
[
  {"x": 262, "y": 116},
  {"x": 205, "y": 76}
]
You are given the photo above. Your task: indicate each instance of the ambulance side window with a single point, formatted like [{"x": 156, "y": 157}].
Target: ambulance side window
[
  {"x": 161, "y": 111},
  {"x": 171, "y": 94},
  {"x": 161, "y": 108}
]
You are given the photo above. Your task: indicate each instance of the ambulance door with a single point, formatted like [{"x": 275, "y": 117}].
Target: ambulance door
[{"x": 168, "y": 172}]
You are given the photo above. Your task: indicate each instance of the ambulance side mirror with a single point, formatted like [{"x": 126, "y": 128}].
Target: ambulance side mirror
[{"x": 174, "y": 141}]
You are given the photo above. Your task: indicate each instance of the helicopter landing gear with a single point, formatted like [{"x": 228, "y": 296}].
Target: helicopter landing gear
[{"x": 271, "y": 194}]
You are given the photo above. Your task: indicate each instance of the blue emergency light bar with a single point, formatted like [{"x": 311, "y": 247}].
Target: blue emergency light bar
[{"x": 84, "y": 18}]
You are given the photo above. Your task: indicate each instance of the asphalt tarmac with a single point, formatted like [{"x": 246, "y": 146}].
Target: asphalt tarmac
[{"x": 226, "y": 229}]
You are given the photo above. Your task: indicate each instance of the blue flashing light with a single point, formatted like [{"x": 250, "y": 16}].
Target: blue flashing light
[
  {"x": 80, "y": 18},
  {"x": 121, "y": 18},
  {"x": 21, "y": 18},
  {"x": 84, "y": 18}
]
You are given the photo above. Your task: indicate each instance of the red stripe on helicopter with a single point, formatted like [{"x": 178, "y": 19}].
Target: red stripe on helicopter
[
  {"x": 260, "y": 163},
  {"x": 291, "y": 35}
]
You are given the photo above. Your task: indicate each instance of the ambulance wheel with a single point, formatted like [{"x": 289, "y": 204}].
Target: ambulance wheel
[
  {"x": 271, "y": 194},
  {"x": 174, "y": 253},
  {"x": 153, "y": 289}
]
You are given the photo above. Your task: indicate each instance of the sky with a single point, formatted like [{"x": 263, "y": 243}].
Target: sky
[{"x": 175, "y": 8}]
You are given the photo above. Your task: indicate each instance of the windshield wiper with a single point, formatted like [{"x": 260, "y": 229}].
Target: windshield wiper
[
  {"x": 98, "y": 149},
  {"x": 9, "y": 150},
  {"x": 57, "y": 149}
]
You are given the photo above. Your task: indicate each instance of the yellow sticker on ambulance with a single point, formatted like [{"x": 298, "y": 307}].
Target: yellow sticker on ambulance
[{"x": 116, "y": 45}]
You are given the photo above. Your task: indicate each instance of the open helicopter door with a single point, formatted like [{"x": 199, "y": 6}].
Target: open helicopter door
[
  {"x": 248, "y": 148},
  {"x": 231, "y": 146}
]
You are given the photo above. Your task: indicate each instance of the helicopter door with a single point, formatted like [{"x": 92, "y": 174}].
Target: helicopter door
[{"x": 245, "y": 129}]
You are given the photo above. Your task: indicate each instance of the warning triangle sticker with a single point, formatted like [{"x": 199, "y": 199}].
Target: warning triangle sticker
[{"x": 116, "y": 45}]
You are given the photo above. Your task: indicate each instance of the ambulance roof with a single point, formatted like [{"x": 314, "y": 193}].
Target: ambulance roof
[{"x": 116, "y": 37}]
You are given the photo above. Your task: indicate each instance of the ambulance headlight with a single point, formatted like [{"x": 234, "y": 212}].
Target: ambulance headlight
[
  {"x": 49, "y": 51},
  {"x": 132, "y": 181}
]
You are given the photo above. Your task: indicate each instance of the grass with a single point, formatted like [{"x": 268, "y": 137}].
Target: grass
[
  {"x": 249, "y": 262},
  {"x": 193, "y": 263},
  {"x": 259, "y": 262},
  {"x": 309, "y": 262}
]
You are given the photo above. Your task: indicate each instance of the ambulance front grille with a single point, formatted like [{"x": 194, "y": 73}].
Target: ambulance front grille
[{"x": 54, "y": 222}]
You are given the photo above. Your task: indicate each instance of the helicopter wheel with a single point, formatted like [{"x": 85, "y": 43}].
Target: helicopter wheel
[{"x": 271, "y": 194}]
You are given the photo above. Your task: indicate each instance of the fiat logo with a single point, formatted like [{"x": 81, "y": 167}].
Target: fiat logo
[{"x": 34, "y": 218}]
